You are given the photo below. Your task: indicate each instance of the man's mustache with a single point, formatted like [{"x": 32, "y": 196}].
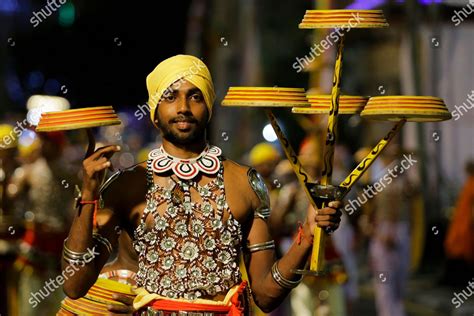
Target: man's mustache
[{"x": 187, "y": 119}]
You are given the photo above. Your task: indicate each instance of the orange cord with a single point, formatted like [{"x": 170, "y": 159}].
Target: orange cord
[{"x": 301, "y": 235}]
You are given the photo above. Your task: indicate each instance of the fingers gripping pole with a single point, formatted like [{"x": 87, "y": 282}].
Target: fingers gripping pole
[
  {"x": 91, "y": 149},
  {"x": 317, "y": 254}
]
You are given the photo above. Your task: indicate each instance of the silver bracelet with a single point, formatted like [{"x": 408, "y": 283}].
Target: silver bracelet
[
  {"x": 73, "y": 257},
  {"x": 282, "y": 281},
  {"x": 262, "y": 246},
  {"x": 75, "y": 260},
  {"x": 70, "y": 252}
]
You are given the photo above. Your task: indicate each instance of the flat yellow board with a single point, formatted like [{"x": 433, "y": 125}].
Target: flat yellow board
[
  {"x": 265, "y": 97},
  {"x": 343, "y": 19},
  {"x": 78, "y": 119},
  {"x": 320, "y": 104},
  {"x": 410, "y": 108}
]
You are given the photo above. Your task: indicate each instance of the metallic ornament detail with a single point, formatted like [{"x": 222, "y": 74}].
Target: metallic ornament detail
[{"x": 259, "y": 187}]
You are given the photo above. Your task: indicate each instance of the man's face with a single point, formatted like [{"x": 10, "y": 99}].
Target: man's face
[{"x": 182, "y": 113}]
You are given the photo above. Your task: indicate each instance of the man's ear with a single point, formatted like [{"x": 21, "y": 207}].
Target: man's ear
[{"x": 157, "y": 114}]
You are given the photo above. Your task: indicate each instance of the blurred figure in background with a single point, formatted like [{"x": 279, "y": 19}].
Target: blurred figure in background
[
  {"x": 283, "y": 220},
  {"x": 344, "y": 239},
  {"x": 389, "y": 248},
  {"x": 459, "y": 243},
  {"x": 44, "y": 190},
  {"x": 291, "y": 202},
  {"x": 10, "y": 225},
  {"x": 8, "y": 164}
]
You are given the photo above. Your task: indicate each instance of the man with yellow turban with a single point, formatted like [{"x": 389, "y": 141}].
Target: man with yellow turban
[
  {"x": 264, "y": 157},
  {"x": 191, "y": 212}
]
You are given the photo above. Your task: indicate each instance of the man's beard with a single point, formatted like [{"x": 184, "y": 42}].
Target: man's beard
[{"x": 183, "y": 138}]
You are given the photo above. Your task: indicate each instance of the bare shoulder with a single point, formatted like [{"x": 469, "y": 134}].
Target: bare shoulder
[
  {"x": 236, "y": 177},
  {"x": 235, "y": 169},
  {"x": 237, "y": 173}
]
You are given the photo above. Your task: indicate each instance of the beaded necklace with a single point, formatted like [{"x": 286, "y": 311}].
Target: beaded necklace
[{"x": 207, "y": 162}]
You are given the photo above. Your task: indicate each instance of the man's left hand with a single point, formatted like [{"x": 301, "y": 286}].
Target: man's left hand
[{"x": 327, "y": 218}]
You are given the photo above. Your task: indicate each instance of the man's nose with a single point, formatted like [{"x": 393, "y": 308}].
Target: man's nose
[{"x": 183, "y": 105}]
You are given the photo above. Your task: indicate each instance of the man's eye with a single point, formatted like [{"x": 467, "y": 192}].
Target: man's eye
[
  {"x": 196, "y": 97},
  {"x": 169, "y": 98}
]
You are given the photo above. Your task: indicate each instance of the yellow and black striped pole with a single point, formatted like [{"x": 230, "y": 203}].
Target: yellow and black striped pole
[
  {"x": 317, "y": 255},
  {"x": 301, "y": 175},
  {"x": 362, "y": 167}
]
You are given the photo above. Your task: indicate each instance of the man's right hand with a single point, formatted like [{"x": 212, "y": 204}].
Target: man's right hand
[{"x": 94, "y": 167}]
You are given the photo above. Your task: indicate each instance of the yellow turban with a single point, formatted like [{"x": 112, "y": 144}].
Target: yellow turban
[
  {"x": 173, "y": 69},
  {"x": 263, "y": 152},
  {"x": 8, "y": 137},
  {"x": 28, "y": 148}
]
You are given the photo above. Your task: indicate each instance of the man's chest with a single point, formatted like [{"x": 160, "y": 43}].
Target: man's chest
[{"x": 220, "y": 205}]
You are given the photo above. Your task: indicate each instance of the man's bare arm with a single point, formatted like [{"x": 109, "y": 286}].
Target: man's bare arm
[
  {"x": 267, "y": 292},
  {"x": 81, "y": 276}
]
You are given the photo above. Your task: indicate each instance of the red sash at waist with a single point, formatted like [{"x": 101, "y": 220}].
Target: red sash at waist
[{"x": 237, "y": 307}]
